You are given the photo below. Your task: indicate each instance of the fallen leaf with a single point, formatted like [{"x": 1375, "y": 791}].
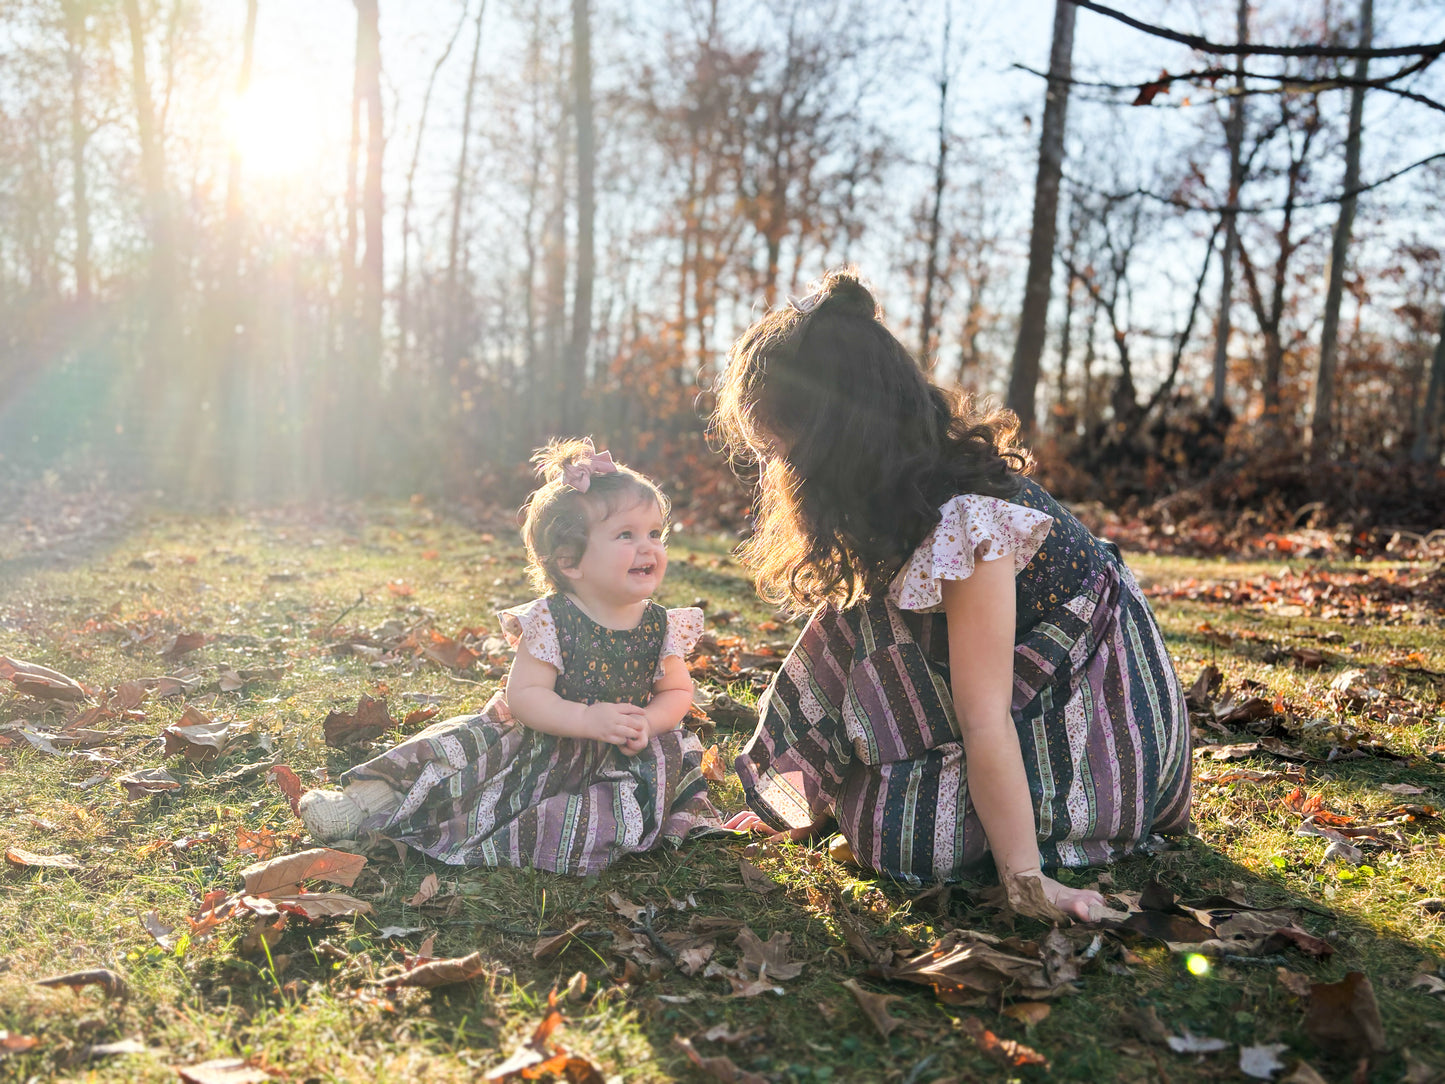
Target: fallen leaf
[
  {"x": 1028, "y": 1013},
  {"x": 113, "y": 984},
  {"x": 1196, "y": 1044},
  {"x": 419, "y": 715},
  {"x": 368, "y": 722},
  {"x": 183, "y": 644},
  {"x": 262, "y": 936},
  {"x": 310, "y": 905},
  {"x": 1261, "y": 1062},
  {"x": 1401, "y": 788},
  {"x": 548, "y": 947},
  {"x": 116, "y": 1049},
  {"x": 439, "y": 973},
  {"x": 222, "y": 1071},
  {"x": 199, "y": 737},
  {"x": 17, "y": 857},
  {"x": 146, "y": 781},
  {"x": 1293, "y": 981},
  {"x": 452, "y": 654},
  {"x": 288, "y": 783},
  {"x": 541, "y": 1056},
  {"x": 164, "y": 935},
  {"x": 430, "y": 886},
  {"x": 712, "y": 765},
  {"x": 38, "y": 681},
  {"x": 719, "y": 1068},
  {"x": 755, "y": 879},
  {"x": 318, "y": 863},
  {"x": 1304, "y": 1073},
  {"x": 875, "y": 1007},
  {"x": 1010, "y": 1053},
  {"x": 625, "y": 907},
  {"x": 11, "y": 1043},
  {"x": 262, "y": 843},
  {"x": 967, "y": 968},
  {"x": 1344, "y": 1018},
  {"x": 767, "y": 959}
]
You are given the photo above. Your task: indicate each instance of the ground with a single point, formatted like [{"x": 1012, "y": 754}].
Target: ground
[{"x": 1326, "y": 718}]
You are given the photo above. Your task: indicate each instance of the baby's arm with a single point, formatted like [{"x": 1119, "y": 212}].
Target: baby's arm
[
  {"x": 671, "y": 699},
  {"x": 532, "y": 697},
  {"x": 981, "y": 618}
]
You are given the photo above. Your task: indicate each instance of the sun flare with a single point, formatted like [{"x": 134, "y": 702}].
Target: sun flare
[{"x": 277, "y": 128}]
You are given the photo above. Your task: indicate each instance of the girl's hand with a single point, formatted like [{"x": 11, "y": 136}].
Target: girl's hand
[
  {"x": 1080, "y": 904},
  {"x": 616, "y": 724},
  {"x": 638, "y": 744},
  {"x": 746, "y": 821}
]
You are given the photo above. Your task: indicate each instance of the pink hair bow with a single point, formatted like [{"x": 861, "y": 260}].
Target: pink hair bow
[{"x": 578, "y": 475}]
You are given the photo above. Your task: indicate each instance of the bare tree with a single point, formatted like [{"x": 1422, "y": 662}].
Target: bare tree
[
  {"x": 940, "y": 181},
  {"x": 452, "y": 314},
  {"x": 1234, "y": 140},
  {"x": 1321, "y": 422},
  {"x": 1024, "y": 373},
  {"x": 75, "y": 37},
  {"x": 1427, "y": 427},
  {"x": 576, "y": 366}
]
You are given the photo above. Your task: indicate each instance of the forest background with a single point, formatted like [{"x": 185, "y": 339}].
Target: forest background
[{"x": 255, "y": 250}]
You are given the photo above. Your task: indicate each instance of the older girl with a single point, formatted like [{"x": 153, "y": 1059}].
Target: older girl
[{"x": 980, "y": 674}]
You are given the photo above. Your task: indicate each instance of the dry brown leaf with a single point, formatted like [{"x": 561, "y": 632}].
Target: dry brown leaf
[
  {"x": 452, "y": 654},
  {"x": 419, "y": 715},
  {"x": 755, "y": 879},
  {"x": 11, "y": 1043},
  {"x": 552, "y": 946},
  {"x": 1028, "y": 1013},
  {"x": 200, "y": 738},
  {"x": 1304, "y": 1073},
  {"x": 625, "y": 907},
  {"x": 262, "y": 936},
  {"x": 541, "y": 1056},
  {"x": 712, "y": 765},
  {"x": 38, "y": 681},
  {"x": 164, "y": 935},
  {"x": 767, "y": 959},
  {"x": 138, "y": 784},
  {"x": 368, "y": 722},
  {"x": 1006, "y": 1051},
  {"x": 316, "y": 864},
  {"x": 310, "y": 905},
  {"x": 113, "y": 984},
  {"x": 1293, "y": 981},
  {"x": 1344, "y": 1018},
  {"x": 263, "y": 842},
  {"x": 430, "y": 886},
  {"x": 1026, "y": 897},
  {"x": 288, "y": 783},
  {"x": 439, "y": 973},
  {"x": 875, "y": 1007},
  {"x": 965, "y": 968},
  {"x": 127, "y": 696},
  {"x": 17, "y": 857},
  {"x": 223, "y": 1071},
  {"x": 719, "y": 1068},
  {"x": 183, "y": 644}
]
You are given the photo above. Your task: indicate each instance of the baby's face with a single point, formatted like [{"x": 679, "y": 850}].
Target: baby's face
[{"x": 625, "y": 557}]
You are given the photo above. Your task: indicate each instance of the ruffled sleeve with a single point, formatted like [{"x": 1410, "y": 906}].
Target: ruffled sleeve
[
  {"x": 532, "y": 624},
  {"x": 972, "y": 526},
  {"x": 684, "y": 629}
]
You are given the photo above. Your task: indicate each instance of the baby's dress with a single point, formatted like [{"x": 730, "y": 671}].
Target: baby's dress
[
  {"x": 484, "y": 790},
  {"x": 859, "y": 722}
]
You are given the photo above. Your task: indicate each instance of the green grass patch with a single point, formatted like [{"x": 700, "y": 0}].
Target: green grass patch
[{"x": 271, "y": 592}]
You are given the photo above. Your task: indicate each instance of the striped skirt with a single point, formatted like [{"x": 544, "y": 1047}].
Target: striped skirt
[
  {"x": 484, "y": 790},
  {"x": 859, "y": 725}
]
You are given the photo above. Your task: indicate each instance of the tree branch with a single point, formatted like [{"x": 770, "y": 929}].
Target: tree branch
[{"x": 1204, "y": 45}]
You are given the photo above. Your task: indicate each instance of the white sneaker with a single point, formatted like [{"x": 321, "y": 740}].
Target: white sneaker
[{"x": 330, "y": 815}]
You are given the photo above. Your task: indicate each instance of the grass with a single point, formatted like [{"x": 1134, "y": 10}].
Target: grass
[{"x": 270, "y": 591}]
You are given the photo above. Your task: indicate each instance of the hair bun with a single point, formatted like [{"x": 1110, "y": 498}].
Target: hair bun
[
  {"x": 845, "y": 295},
  {"x": 552, "y": 459}
]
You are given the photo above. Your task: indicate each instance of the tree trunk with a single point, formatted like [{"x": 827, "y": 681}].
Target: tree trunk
[
  {"x": 1234, "y": 138},
  {"x": 79, "y": 136},
  {"x": 1024, "y": 377},
  {"x": 403, "y": 289},
  {"x": 1321, "y": 429},
  {"x": 452, "y": 348},
  {"x": 1427, "y": 429},
  {"x": 231, "y": 244},
  {"x": 926, "y": 353},
  {"x": 576, "y": 374},
  {"x": 153, "y": 171},
  {"x": 1065, "y": 348},
  {"x": 372, "y": 267}
]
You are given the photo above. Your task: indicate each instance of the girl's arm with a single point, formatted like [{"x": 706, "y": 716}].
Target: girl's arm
[
  {"x": 981, "y": 621},
  {"x": 671, "y": 699},
  {"x": 533, "y": 700}
]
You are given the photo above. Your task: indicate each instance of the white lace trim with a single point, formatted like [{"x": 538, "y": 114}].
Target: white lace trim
[
  {"x": 532, "y": 624},
  {"x": 684, "y": 629},
  {"x": 972, "y": 526}
]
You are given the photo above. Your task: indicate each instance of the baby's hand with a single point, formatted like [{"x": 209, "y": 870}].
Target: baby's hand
[
  {"x": 632, "y": 748},
  {"x": 1080, "y": 904},
  {"x": 616, "y": 724}
]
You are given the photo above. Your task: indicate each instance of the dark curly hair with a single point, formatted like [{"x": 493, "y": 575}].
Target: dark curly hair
[
  {"x": 858, "y": 448},
  {"x": 557, "y": 519}
]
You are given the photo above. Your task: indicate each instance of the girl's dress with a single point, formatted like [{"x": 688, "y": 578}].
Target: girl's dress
[
  {"x": 484, "y": 790},
  {"x": 859, "y": 722}
]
